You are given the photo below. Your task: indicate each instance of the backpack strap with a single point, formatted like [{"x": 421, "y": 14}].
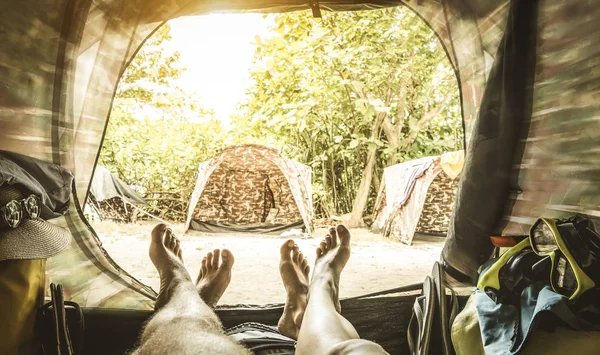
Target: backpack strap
[
  {"x": 446, "y": 309},
  {"x": 421, "y": 321},
  {"x": 57, "y": 319}
]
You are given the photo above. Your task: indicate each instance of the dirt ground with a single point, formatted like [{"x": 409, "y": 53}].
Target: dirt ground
[{"x": 376, "y": 263}]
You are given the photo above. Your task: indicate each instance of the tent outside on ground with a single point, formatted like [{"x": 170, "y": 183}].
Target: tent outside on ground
[
  {"x": 251, "y": 188},
  {"x": 108, "y": 196},
  {"x": 105, "y": 186},
  {"x": 417, "y": 196}
]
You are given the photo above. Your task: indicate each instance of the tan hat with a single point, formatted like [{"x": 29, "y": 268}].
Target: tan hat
[{"x": 32, "y": 238}]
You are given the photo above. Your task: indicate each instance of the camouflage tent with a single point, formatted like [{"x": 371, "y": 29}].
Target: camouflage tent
[
  {"x": 527, "y": 70},
  {"x": 417, "y": 196},
  {"x": 251, "y": 188}
]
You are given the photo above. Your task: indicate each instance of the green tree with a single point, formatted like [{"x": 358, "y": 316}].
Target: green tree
[
  {"x": 350, "y": 94},
  {"x": 157, "y": 132}
]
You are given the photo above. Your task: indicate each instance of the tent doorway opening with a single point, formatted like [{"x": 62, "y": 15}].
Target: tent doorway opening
[{"x": 282, "y": 147}]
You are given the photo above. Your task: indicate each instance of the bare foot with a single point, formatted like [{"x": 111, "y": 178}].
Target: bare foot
[
  {"x": 294, "y": 270},
  {"x": 332, "y": 255},
  {"x": 165, "y": 253},
  {"x": 213, "y": 279}
]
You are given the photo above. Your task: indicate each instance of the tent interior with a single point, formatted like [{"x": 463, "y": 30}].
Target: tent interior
[
  {"x": 529, "y": 78},
  {"x": 252, "y": 189}
]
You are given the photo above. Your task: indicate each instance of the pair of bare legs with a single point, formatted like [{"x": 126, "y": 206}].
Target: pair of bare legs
[{"x": 185, "y": 323}]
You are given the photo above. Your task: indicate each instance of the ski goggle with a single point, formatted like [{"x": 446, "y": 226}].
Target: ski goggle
[
  {"x": 518, "y": 267},
  {"x": 573, "y": 249},
  {"x": 15, "y": 211}
]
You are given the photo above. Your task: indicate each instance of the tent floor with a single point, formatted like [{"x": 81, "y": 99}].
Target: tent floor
[{"x": 383, "y": 319}]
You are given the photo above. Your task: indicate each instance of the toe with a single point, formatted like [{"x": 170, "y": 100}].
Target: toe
[
  {"x": 228, "y": 258},
  {"x": 286, "y": 250},
  {"x": 344, "y": 235},
  {"x": 180, "y": 254},
  {"x": 295, "y": 253},
  {"x": 204, "y": 268},
  {"x": 319, "y": 252},
  {"x": 209, "y": 261},
  {"x": 306, "y": 270},
  {"x": 172, "y": 241},
  {"x": 323, "y": 246},
  {"x": 216, "y": 258},
  {"x": 177, "y": 249},
  {"x": 158, "y": 233},
  {"x": 328, "y": 241},
  {"x": 334, "y": 237}
]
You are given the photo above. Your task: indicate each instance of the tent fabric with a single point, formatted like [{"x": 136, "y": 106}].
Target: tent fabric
[
  {"x": 61, "y": 60},
  {"x": 405, "y": 190},
  {"x": 105, "y": 185},
  {"x": 88, "y": 274},
  {"x": 400, "y": 179},
  {"x": 407, "y": 193},
  {"x": 404, "y": 219},
  {"x": 437, "y": 208},
  {"x": 484, "y": 189},
  {"x": 556, "y": 169},
  {"x": 250, "y": 185},
  {"x": 534, "y": 150},
  {"x": 275, "y": 229}
]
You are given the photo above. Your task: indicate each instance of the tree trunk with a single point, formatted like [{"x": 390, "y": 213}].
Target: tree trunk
[
  {"x": 392, "y": 133},
  {"x": 392, "y": 130},
  {"x": 362, "y": 195},
  {"x": 376, "y": 182}
]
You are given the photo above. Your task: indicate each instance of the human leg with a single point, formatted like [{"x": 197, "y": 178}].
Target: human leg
[
  {"x": 184, "y": 322},
  {"x": 324, "y": 330}
]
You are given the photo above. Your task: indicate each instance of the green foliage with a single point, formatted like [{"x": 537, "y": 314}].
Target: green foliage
[
  {"x": 332, "y": 93},
  {"x": 327, "y": 90},
  {"x": 157, "y": 133}
]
